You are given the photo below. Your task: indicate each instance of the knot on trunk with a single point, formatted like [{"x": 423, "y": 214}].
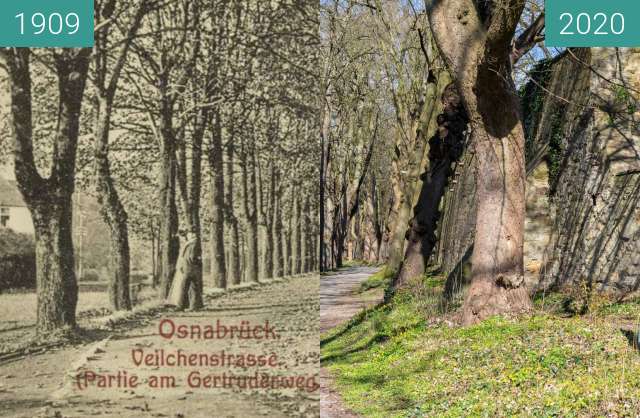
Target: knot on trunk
[{"x": 510, "y": 281}]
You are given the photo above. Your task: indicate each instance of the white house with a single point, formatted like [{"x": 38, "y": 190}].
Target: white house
[{"x": 14, "y": 213}]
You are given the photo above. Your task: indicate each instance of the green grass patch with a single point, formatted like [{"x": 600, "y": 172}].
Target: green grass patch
[
  {"x": 400, "y": 360},
  {"x": 380, "y": 279}
]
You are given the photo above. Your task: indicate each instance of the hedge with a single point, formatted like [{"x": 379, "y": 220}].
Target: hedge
[{"x": 17, "y": 260}]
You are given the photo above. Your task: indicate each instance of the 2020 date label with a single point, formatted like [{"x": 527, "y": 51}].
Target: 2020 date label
[
  {"x": 592, "y": 23},
  {"x": 47, "y": 23}
]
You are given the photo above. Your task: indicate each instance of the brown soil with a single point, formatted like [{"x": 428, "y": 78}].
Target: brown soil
[{"x": 45, "y": 385}]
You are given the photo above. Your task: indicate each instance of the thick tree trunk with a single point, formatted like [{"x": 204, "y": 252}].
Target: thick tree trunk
[
  {"x": 55, "y": 276},
  {"x": 49, "y": 200},
  {"x": 168, "y": 238},
  {"x": 218, "y": 265},
  {"x": 112, "y": 211},
  {"x": 497, "y": 272},
  {"x": 119, "y": 289},
  {"x": 477, "y": 50},
  {"x": 190, "y": 182},
  {"x": 398, "y": 231},
  {"x": 408, "y": 188},
  {"x": 445, "y": 147}
]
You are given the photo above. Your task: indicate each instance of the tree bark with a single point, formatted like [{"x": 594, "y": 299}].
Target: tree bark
[
  {"x": 168, "y": 237},
  {"x": 445, "y": 147},
  {"x": 49, "y": 200},
  {"x": 233, "y": 266},
  {"x": 324, "y": 162},
  {"x": 111, "y": 208},
  {"x": 269, "y": 222},
  {"x": 477, "y": 50},
  {"x": 218, "y": 265},
  {"x": 295, "y": 235},
  {"x": 250, "y": 214},
  {"x": 278, "y": 262}
]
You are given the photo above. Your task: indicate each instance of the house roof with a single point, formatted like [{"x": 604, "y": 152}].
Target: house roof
[{"x": 9, "y": 194}]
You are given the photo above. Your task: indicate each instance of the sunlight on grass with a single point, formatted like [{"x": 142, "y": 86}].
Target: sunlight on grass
[{"x": 398, "y": 361}]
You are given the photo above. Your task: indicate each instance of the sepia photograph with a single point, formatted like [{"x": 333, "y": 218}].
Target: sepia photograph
[{"x": 159, "y": 205}]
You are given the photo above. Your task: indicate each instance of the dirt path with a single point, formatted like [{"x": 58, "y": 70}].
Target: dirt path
[
  {"x": 46, "y": 385},
  {"x": 339, "y": 301}
]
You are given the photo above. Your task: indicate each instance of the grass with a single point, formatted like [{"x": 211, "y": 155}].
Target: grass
[
  {"x": 19, "y": 309},
  {"x": 380, "y": 279},
  {"x": 404, "y": 360}
]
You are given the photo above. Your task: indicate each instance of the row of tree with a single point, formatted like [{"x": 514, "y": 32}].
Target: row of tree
[
  {"x": 407, "y": 86},
  {"x": 185, "y": 116}
]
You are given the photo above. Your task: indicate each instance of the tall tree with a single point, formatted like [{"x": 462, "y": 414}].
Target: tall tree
[
  {"x": 165, "y": 67},
  {"x": 49, "y": 198},
  {"x": 106, "y": 75},
  {"x": 476, "y": 39}
]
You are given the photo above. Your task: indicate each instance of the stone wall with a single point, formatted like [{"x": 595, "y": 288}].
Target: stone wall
[
  {"x": 596, "y": 236},
  {"x": 583, "y": 188}
]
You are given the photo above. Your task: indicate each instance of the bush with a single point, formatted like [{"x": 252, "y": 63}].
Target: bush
[
  {"x": 138, "y": 277},
  {"x": 90, "y": 275},
  {"x": 17, "y": 260}
]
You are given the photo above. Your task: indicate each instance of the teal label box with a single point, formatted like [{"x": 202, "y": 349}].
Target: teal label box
[
  {"x": 46, "y": 23},
  {"x": 592, "y": 23}
]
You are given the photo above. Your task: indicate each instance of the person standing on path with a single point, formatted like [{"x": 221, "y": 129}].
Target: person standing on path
[{"x": 185, "y": 284}]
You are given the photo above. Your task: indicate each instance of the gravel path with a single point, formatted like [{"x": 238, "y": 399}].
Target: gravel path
[
  {"x": 46, "y": 385},
  {"x": 339, "y": 301}
]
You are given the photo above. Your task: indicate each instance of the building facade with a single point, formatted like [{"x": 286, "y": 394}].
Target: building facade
[{"x": 14, "y": 213}]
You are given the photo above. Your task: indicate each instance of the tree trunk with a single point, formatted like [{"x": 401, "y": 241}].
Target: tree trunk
[
  {"x": 250, "y": 214},
  {"x": 278, "y": 263},
  {"x": 304, "y": 225},
  {"x": 295, "y": 235},
  {"x": 168, "y": 238},
  {"x": 112, "y": 211},
  {"x": 324, "y": 156},
  {"x": 270, "y": 225},
  {"x": 190, "y": 182},
  {"x": 55, "y": 276},
  {"x": 111, "y": 208},
  {"x": 477, "y": 50},
  {"x": 233, "y": 253},
  {"x": 445, "y": 147},
  {"x": 218, "y": 265},
  {"x": 49, "y": 200},
  {"x": 286, "y": 245}
]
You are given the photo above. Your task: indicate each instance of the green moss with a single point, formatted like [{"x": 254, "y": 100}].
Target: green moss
[
  {"x": 624, "y": 98},
  {"x": 395, "y": 361}
]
